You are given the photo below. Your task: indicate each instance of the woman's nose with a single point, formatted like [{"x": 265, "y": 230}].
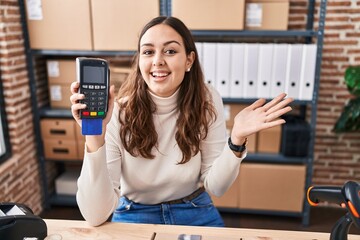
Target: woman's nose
[{"x": 158, "y": 60}]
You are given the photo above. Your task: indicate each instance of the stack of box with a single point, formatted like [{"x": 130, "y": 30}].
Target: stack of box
[
  {"x": 61, "y": 73},
  {"x": 59, "y": 138}
]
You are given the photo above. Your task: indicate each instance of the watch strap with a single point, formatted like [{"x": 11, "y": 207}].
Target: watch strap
[{"x": 237, "y": 148}]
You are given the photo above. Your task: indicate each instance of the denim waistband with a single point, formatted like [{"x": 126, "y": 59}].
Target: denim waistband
[{"x": 180, "y": 200}]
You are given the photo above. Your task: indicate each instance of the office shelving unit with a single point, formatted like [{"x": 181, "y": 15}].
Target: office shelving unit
[{"x": 306, "y": 36}]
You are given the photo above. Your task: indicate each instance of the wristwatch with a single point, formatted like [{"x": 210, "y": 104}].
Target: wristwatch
[{"x": 237, "y": 148}]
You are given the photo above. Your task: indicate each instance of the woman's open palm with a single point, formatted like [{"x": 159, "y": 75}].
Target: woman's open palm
[{"x": 259, "y": 116}]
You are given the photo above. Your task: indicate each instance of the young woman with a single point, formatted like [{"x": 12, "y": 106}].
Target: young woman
[{"x": 164, "y": 143}]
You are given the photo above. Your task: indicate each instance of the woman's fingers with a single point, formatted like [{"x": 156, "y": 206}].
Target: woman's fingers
[
  {"x": 274, "y": 115},
  {"x": 274, "y": 101},
  {"x": 74, "y": 87},
  {"x": 275, "y": 104},
  {"x": 258, "y": 103},
  {"x": 76, "y": 97},
  {"x": 283, "y": 104},
  {"x": 272, "y": 123},
  {"x": 75, "y": 109}
]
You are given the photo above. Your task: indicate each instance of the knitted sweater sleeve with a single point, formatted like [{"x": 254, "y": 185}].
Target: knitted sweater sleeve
[{"x": 99, "y": 182}]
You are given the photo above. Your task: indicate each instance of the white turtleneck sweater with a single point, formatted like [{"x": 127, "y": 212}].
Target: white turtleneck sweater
[{"x": 111, "y": 171}]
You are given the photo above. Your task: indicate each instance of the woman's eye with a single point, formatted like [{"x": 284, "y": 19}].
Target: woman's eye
[
  {"x": 170, "y": 51},
  {"x": 147, "y": 52}
]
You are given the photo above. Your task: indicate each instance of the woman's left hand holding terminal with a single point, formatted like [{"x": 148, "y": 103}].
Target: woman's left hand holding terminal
[{"x": 259, "y": 116}]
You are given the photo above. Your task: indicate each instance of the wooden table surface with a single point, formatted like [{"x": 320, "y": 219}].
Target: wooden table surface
[{"x": 71, "y": 230}]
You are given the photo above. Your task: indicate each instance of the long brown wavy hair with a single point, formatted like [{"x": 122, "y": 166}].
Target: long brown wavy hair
[{"x": 195, "y": 106}]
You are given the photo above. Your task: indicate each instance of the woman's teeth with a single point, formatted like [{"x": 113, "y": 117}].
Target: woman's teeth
[{"x": 159, "y": 74}]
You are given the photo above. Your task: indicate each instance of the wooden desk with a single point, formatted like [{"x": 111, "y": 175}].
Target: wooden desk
[{"x": 70, "y": 230}]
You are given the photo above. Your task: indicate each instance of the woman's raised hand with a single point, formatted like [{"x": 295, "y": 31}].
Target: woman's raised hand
[{"x": 259, "y": 116}]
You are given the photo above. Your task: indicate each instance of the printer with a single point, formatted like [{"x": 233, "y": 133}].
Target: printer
[{"x": 18, "y": 222}]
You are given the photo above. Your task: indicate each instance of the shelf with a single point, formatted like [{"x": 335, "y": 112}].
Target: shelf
[
  {"x": 55, "y": 113},
  {"x": 63, "y": 200},
  {"x": 274, "y": 158},
  {"x": 80, "y": 53},
  {"x": 253, "y": 33}
]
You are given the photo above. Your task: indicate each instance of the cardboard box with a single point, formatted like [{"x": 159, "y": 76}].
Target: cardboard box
[
  {"x": 78, "y": 134},
  {"x": 66, "y": 183},
  {"x": 269, "y": 140},
  {"x": 230, "y": 198},
  {"x": 58, "y": 129},
  {"x": 231, "y": 110},
  {"x": 64, "y": 25},
  {"x": 252, "y": 143},
  {"x": 118, "y": 75},
  {"x": 210, "y": 14},
  {"x": 60, "y": 149},
  {"x": 80, "y": 140},
  {"x": 61, "y": 71},
  {"x": 59, "y": 96},
  {"x": 267, "y": 14},
  {"x": 117, "y": 24},
  {"x": 272, "y": 187}
]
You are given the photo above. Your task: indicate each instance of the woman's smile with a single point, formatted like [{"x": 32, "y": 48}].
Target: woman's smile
[{"x": 160, "y": 75}]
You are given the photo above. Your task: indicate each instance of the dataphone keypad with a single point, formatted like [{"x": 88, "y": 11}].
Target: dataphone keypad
[{"x": 95, "y": 100}]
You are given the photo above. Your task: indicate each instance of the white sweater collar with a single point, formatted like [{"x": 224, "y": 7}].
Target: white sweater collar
[{"x": 165, "y": 104}]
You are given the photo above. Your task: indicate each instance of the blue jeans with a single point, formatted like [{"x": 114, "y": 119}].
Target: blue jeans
[{"x": 199, "y": 211}]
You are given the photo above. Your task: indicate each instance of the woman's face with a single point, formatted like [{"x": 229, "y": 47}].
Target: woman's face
[{"x": 163, "y": 60}]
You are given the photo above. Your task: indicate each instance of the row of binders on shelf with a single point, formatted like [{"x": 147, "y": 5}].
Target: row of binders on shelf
[{"x": 259, "y": 70}]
